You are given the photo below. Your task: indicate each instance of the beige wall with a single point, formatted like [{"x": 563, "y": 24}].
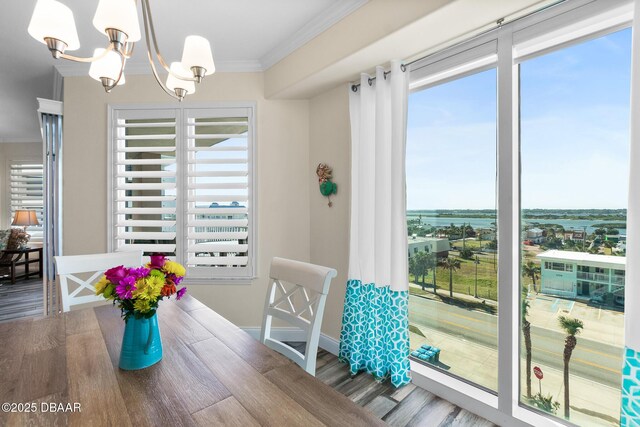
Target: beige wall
[
  {"x": 330, "y": 143},
  {"x": 9, "y": 152},
  {"x": 283, "y": 175}
]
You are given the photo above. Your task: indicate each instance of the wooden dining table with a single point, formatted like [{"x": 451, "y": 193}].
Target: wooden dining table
[{"x": 63, "y": 370}]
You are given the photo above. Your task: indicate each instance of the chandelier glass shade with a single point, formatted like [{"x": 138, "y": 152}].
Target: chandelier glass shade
[{"x": 53, "y": 24}]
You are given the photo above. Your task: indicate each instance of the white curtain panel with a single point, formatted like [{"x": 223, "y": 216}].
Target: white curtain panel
[
  {"x": 378, "y": 250},
  {"x": 630, "y": 409}
]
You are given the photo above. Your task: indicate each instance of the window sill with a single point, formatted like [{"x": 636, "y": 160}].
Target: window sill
[
  {"x": 428, "y": 374},
  {"x": 476, "y": 400}
]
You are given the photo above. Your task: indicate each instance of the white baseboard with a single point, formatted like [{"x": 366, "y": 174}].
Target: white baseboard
[{"x": 293, "y": 334}]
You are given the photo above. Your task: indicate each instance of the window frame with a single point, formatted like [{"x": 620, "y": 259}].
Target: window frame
[
  {"x": 250, "y": 271},
  {"x": 583, "y": 20}
]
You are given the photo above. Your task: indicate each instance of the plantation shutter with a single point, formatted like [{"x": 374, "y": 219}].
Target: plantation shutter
[
  {"x": 26, "y": 193},
  {"x": 218, "y": 188},
  {"x": 144, "y": 188}
]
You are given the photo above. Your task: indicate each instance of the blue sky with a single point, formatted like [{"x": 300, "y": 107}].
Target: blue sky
[{"x": 574, "y": 133}]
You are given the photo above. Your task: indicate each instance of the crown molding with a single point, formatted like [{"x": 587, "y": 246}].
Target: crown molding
[
  {"x": 310, "y": 30},
  {"x": 50, "y": 106}
]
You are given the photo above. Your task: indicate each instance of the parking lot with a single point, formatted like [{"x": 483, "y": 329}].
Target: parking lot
[{"x": 601, "y": 325}]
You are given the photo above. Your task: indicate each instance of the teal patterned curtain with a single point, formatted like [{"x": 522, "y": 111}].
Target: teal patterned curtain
[{"x": 375, "y": 332}]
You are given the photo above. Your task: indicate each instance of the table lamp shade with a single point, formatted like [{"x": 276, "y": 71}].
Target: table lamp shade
[{"x": 25, "y": 218}]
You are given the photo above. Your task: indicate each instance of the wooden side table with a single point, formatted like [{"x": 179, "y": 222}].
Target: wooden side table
[{"x": 26, "y": 261}]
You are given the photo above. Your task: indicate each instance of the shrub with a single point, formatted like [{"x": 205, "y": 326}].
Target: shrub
[{"x": 546, "y": 403}]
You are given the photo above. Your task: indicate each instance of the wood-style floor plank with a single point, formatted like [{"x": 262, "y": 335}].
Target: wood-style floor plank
[
  {"x": 436, "y": 413},
  {"x": 21, "y": 299},
  {"x": 405, "y": 406},
  {"x": 381, "y": 406},
  {"x": 262, "y": 358},
  {"x": 254, "y": 392},
  {"x": 321, "y": 400},
  {"x": 411, "y": 405},
  {"x": 93, "y": 383},
  {"x": 228, "y": 412}
]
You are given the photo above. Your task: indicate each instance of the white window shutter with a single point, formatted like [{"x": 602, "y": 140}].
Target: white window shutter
[
  {"x": 144, "y": 187},
  {"x": 26, "y": 192},
  {"x": 181, "y": 184},
  {"x": 218, "y": 193}
]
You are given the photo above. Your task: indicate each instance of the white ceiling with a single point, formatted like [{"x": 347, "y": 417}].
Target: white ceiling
[{"x": 246, "y": 35}]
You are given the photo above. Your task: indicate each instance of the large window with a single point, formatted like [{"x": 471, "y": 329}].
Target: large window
[
  {"x": 182, "y": 185},
  {"x": 541, "y": 227}
]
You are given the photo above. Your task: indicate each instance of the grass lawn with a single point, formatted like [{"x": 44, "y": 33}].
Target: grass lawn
[{"x": 464, "y": 279}]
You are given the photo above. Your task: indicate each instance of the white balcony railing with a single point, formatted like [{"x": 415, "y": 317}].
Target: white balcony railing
[{"x": 594, "y": 277}]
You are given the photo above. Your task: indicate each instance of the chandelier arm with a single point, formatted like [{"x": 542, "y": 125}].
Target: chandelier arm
[
  {"x": 91, "y": 59},
  {"x": 150, "y": 57},
  {"x": 149, "y": 20}
]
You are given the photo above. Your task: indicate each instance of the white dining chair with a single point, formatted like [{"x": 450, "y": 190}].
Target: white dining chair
[
  {"x": 297, "y": 294},
  {"x": 68, "y": 267}
]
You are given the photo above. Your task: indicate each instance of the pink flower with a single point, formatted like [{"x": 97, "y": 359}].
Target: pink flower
[
  {"x": 181, "y": 292},
  {"x": 157, "y": 261},
  {"x": 116, "y": 274},
  {"x": 139, "y": 272},
  {"x": 126, "y": 287}
]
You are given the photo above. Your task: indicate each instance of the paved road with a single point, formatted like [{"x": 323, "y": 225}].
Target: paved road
[{"x": 590, "y": 359}]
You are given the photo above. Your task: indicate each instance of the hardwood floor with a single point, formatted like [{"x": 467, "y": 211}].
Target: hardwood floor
[
  {"x": 22, "y": 299},
  {"x": 405, "y": 406}
]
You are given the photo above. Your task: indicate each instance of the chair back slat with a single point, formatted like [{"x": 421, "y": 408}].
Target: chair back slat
[{"x": 68, "y": 266}]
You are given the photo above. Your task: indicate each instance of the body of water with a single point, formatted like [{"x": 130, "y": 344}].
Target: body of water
[{"x": 432, "y": 220}]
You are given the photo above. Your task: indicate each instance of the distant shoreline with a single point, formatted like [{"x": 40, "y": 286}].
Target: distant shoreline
[{"x": 619, "y": 215}]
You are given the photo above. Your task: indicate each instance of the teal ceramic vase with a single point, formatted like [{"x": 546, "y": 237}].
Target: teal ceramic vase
[{"x": 141, "y": 343}]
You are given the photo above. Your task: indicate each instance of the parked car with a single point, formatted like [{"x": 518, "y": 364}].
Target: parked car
[{"x": 597, "y": 299}]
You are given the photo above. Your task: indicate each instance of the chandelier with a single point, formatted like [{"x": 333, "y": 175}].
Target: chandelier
[{"x": 52, "y": 23}]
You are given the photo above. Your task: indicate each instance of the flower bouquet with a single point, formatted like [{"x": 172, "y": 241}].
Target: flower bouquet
[{"x": 137, "y": 291}]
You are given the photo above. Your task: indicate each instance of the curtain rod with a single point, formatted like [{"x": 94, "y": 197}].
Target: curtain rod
[{"x": 499, "y": 23}]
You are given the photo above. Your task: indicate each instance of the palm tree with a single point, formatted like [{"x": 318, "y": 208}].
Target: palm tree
[
  {"x": 572, "y": 327},
  {"x": 432, "y": 264},
  {"x": 526, "y": 331},
  {"x": 413, "y": 268},
  {"x": 435, "y": 268},
  {"x": 450, "y": 264},
  {"x": 531, "y": 270}
]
